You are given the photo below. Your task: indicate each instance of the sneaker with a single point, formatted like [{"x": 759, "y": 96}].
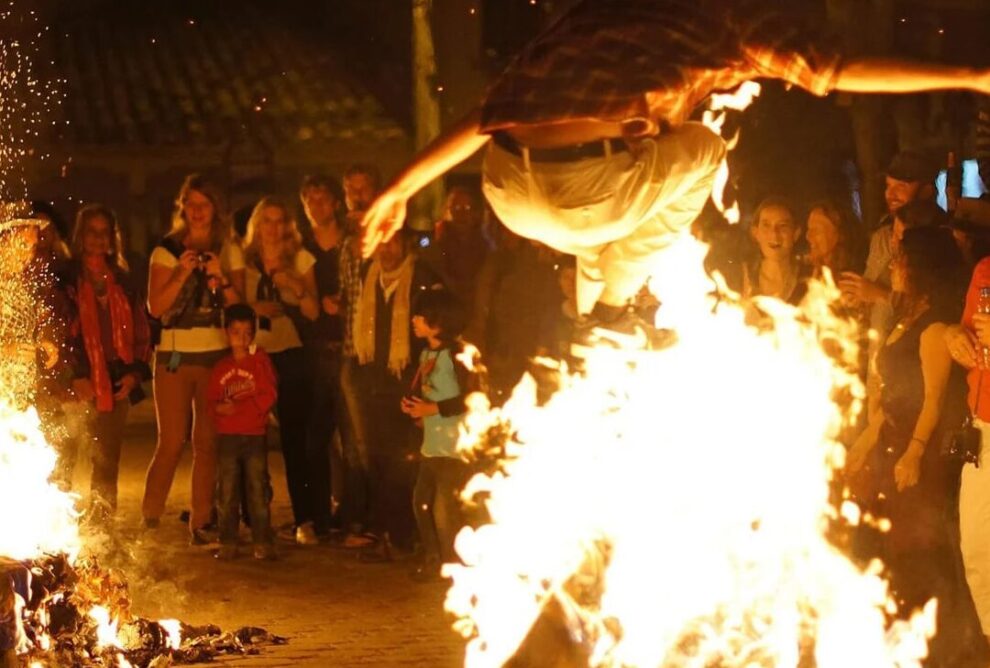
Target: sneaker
[
  {"x": 199, "y": 537},
  {"x": 628, "y": 332},
  {"x": 306, "y": 534},
  {"x": 265, "y": 552},
  {"x": 226, "y": 552}
]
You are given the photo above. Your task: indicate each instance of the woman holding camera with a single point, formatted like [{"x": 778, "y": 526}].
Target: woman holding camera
[
  {"x": 110, "y": 344},
  {"x": 968, "y": 344},
  {"x": 196, "y": 271},
  {"x": 281, "y": 286},
  {"x": 901, "y": 474}
]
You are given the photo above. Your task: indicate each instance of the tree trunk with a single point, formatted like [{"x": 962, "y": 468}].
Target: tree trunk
[{"x": 426, "y": 109}]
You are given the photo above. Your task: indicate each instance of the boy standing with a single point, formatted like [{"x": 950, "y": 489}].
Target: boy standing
[
  {"x": 442, "y": 383},
  {"x": 240, "y": 394}
]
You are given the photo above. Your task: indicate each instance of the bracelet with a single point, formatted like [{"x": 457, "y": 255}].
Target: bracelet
[{"x": 916, "y": 439}]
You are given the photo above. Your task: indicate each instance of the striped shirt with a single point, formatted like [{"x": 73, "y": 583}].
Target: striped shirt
[{"x": 646, "y": 63}]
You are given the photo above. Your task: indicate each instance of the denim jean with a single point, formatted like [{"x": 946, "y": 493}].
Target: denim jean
[
  {"x": 242, "y": 457},
  {"x": 438, "y": 510}
]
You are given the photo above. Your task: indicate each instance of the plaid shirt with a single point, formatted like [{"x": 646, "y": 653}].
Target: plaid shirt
[
  {"x": 644, "y": 62},
  {"x": 350, "y": 289}
]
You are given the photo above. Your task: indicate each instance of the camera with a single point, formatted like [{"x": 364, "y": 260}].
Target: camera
[
  {"x": 964, "y": 444},
  {"x": 202, "y": 257}
]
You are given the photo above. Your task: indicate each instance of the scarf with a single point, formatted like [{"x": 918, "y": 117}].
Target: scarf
[
  {"x": 364, "y": 330},
  {"x": 122, "y": 333}
]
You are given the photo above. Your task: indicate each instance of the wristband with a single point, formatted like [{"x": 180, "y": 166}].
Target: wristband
[{"x": 917, "y": 440}]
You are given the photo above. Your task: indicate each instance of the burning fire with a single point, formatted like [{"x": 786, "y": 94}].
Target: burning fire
[
  {"x": 39, "y": 518},
  {"x": 714, "y": 119},
  {"x": 672, "y": 510}
]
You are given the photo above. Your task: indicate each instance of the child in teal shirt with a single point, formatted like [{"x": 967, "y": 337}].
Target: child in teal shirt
[{"x": 442, "y": 383}]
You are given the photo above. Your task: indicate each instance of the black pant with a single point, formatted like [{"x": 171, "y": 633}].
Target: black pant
[
  {"x": 392, "y": 445},
  {"x": 438, "y": 510},
  {"x": 307, "y": 461}
]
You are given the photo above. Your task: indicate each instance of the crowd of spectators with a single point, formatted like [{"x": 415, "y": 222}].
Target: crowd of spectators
[{"x": 361, "y": 362}]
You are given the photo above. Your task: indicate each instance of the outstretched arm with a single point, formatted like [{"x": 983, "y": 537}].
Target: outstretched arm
[
  {"x": 386, "y": 214},
  {"x": 892, "y": 75}
]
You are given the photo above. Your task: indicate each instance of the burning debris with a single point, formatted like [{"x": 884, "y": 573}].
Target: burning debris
[{"x": 59, "y": 613}]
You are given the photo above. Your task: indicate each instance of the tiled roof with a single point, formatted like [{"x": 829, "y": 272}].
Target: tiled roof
[{"x": 161, "y": 78}]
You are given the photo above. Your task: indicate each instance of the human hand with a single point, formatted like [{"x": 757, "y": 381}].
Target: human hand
[
  {"x": 127, "y": 385},
  {"x": 225, "y": 407},
  {"x": 907, "y": 470},
  {"x": 83, "y": 390},
  {"x": 963, "y": 346},
  {"x": 981, "y": 323},
  {"x": 188, "y": 262},
  {"x": 383, "y": 219},
  {"x": 212, "y": 266},
  {"x": 268, "y": 309},
  {"x": 859, "y": 453},
  {"x": 288, "y": 281},
  {"x": 860, "y": 289},
  {"x": 331, "y": 305},
  {"x": 417, "y": 408}
]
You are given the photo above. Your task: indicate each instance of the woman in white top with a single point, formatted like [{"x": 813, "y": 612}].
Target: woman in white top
[
  {"x": 196, "y": 270},
  {"x": 281, "y": 286}
]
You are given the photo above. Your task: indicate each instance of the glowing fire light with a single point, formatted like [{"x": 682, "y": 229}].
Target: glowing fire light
[
  {"x": 38, "y": 517},
  {"x": 173, "y": 629},
  {"x": 106, "y": 628},
  {"x": 714, "y": 119},
  {"x": 671, "y": 512}
]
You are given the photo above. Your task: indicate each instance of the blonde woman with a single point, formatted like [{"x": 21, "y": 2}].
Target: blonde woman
[
  {"x": 196, "y": 271},
  {"x": 281, "y": 286}
]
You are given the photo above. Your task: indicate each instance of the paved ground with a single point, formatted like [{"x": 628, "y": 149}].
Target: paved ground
[{"x": 334, "y": 610}]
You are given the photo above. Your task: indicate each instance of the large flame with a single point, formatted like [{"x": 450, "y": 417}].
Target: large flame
[
  {"x": 714, "y": 118},
  {"x": 673, "y": 509},
  {"x": 37, "y": 517}
]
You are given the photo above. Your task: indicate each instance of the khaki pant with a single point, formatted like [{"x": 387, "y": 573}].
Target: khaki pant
[
  {"x": 974, "y": 527},
  {"x": 180, "y": 396},
  {"x": 616, "y": 213}
]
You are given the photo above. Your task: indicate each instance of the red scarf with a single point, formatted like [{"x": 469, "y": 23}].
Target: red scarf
[{"x": 122, "y": 331}]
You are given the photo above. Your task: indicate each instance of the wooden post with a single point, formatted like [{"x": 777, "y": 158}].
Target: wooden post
[{"x": 426, "y": 109}]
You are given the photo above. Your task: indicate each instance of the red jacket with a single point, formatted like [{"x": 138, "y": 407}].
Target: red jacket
[{"x": 250, "y": 384}]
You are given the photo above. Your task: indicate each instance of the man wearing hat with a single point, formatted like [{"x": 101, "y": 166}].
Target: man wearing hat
[{"x": 909, "y": 177}]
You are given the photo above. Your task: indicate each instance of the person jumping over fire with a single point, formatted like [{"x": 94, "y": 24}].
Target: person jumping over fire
[{"x": 589, "y": 147}]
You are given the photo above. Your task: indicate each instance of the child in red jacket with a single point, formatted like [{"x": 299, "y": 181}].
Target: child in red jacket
[{"x": 241, "y": 392}]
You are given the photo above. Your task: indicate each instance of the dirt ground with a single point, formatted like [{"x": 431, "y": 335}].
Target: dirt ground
[{"x": 334, "y": 610}]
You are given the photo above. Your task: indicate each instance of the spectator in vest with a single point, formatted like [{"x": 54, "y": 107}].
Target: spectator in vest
[
  {"x": 195, "y": 272},
  {"x": 281, "y": 286},
  {"x": 111, "y": 345}
]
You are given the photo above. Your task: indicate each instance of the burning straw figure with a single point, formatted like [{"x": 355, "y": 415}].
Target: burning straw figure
[{"x": 588, "y": 145}]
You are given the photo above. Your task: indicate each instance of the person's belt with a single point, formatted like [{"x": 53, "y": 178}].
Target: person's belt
[{"x": 572, "y": 153}]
